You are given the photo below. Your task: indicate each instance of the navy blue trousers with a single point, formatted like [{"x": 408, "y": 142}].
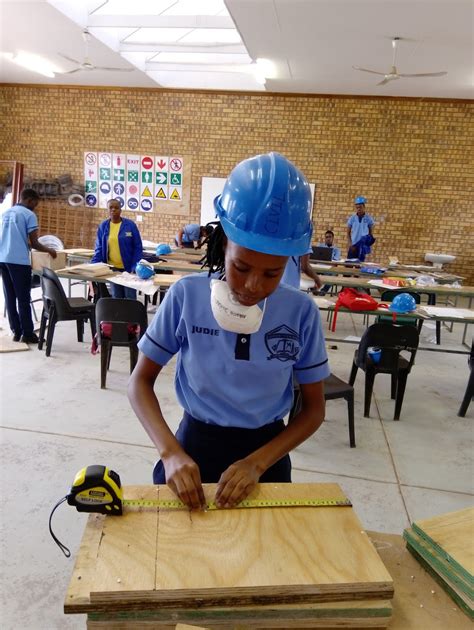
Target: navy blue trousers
[
  {"x": 215, "y": 448},
  {"x": 17, "y": 289}
]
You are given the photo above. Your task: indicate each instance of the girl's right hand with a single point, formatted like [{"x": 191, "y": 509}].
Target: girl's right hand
[{"x": 184, "y": 479}]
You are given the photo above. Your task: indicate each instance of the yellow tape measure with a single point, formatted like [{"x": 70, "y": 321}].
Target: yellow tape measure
[
  {"x": 176, "y": 504},
  {"x": 98, "y": 489}
]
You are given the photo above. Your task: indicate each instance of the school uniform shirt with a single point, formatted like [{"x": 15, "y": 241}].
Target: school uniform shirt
[
  {"x": 114, "y": 256},
  {"x": 17, "y": 223},
  {"x": 231, "y": 379},
  {"x": 336, "y": 252},
  {"x": 292, "y": 274},
  {"x": 129, "y": 240},
  {"x": 191, "y": 232},
  {"x": 359, "y": 226}
]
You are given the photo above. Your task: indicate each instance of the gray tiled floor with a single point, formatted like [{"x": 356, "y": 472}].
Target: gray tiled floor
[{"x": 56, "y": 419}]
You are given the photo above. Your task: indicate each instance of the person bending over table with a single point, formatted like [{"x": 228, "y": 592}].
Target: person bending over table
[
  {"x": 255, "y": 336},
  {"x": 192, "y": 233},
  {"x": 119, "y": 244}
]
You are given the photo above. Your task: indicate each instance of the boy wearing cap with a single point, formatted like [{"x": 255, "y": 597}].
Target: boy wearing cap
[{"x": 360, "y": 224}]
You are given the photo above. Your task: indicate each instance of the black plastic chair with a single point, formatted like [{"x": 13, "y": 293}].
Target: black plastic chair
[
  {"x": 58, "y": 308},
  {"x": 388, "y": 296},
  {"x": 121, "y": 314},
  {"x": 393, "y": 340},
  {"x": 469, "y": 394},
  {"x": 334, "y": 387}
]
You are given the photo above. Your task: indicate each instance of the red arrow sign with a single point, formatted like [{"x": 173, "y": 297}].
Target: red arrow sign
[
  {"x": 147, "y": 162},
  {"x": 161, "y": 164}
]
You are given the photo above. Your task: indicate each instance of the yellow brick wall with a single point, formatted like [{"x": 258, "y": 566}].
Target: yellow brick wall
[{"x": 412, "y": 159}]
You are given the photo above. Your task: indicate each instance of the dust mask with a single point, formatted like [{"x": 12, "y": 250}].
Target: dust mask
[{"x": 230, "y": 314}]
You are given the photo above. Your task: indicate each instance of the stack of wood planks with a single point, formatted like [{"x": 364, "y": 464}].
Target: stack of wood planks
[
  {"x": 444, "y": 546},
  {"x": 278, "y": 567}
]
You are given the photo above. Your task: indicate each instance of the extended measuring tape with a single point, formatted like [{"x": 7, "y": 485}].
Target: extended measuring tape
[{"x": 99, "y": 489}]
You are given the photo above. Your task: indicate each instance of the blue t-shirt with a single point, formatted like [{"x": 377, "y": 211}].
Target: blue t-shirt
[
  {"x": 359, "y": 226},
  {"x": 230, "y": 379},
  {"x": 192, "y": 232},
  {"x": 17, "y": 223},
  {"x": 336, "y": 252},
  {"x": 292, "y": 274}
]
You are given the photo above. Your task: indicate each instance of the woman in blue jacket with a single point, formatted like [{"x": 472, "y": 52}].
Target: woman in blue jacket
[{"x": 119, "y": 244}]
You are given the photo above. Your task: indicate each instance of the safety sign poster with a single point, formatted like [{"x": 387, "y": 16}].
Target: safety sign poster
[{"x": 137, "y": 181}]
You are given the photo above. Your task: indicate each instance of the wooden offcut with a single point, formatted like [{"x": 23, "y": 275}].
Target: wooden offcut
[{"x": 309, "y": 563}]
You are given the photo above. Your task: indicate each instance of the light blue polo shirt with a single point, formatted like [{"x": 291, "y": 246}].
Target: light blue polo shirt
[
  {"x": 336, "y": 252},
  {"x": 192, "y": 232},
  {"x": 359, "y": 227},
  {"x": 231, "y": 379},
  {"x": 17, "y": 223},
  {"x": 292, "y": 274}
]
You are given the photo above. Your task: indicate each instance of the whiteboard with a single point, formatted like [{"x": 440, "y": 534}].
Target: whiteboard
[{"x": 213, "y": 186}]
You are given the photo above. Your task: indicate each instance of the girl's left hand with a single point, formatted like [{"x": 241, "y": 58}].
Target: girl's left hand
[{"x": 237, "y": 482}]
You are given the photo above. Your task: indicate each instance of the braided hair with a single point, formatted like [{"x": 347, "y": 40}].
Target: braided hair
[{"x": 215, "y": 255}]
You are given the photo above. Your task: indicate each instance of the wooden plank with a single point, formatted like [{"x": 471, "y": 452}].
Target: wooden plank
[
  {"x": 166, "y": 280},
  {"x": 269, "y": 555},
  {"x": 452, "y": 534},
  {"x": 127, "y": 551},
  {"x": 419, "y": 603},
  {"x": 77, "y": 595},
  {"x": 439, "y": 563},
  {"x": 446, "y": 584},
  {"x": 179, "y": 265},
  {"x": 287, "y": 615}
]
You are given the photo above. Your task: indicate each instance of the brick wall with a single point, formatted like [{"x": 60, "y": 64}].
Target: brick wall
[{"x": 412, "y": 159}]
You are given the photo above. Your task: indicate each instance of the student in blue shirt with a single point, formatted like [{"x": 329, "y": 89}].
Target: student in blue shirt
[
  {"x": 329, "y": 242},
  {"x": 241, "y": 337},
  {"x": 19, "y": 231},
  {"x": 295, "y": 266},
  {"x": 192, "y": 233},
  {"x": 359, "y": 225}
]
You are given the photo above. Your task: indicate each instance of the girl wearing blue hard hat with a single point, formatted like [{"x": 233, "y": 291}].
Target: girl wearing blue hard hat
[{"x": 240, "y": 338}]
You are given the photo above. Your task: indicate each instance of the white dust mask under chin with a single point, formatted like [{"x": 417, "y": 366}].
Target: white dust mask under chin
[{"x": 230, "y": 314}]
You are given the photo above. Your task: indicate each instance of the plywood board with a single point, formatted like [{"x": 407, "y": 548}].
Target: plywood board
[
  {"x": 166, "y": 280},
  {"x": 452, "y": 534},
  {"x": 439, "y": 563},
  {"x": 8, "y": 345},
  {"x": 179, "y": 265},
  {"x": 342, "y": 613},
  {"x": 419, "y": 603},
  {"x": 239, "y": 557}
]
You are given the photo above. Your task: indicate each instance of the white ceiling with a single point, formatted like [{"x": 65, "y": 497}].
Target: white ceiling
[{"x": 313, "y": 44}]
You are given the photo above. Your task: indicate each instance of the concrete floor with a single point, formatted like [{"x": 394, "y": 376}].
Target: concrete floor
[{"x": 55, "y": 420}]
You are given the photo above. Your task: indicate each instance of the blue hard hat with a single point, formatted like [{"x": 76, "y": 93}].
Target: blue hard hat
[
  {"x": 144, "y": 270},
  {"x": 162, "y": 249},
  {"x": 403, "y": 303},
  {"x": 360, "y": 199},
  {"x": 266, "y": 206}
]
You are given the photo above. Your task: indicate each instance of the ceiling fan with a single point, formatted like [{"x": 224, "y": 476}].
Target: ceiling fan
[
  {"x": 86, "y": 64},
  {"x": 394, "y": 74}
]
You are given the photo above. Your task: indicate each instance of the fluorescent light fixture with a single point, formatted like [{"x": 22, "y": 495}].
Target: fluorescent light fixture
[
  {"x": 136, "y": 7},
  {"x": 197, "y": 7},
  {"x": 193, "y": 57},
  {"x": 212, "y": 35},
  {"x": 32, "y": 62},
  {"x": 161, "y": 35},
  {"x": 205, "y": 80},
  {"x": 266, "y": 68}
]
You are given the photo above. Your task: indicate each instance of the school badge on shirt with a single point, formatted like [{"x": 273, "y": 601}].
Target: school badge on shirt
[{"x": 282, "y": 343}]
